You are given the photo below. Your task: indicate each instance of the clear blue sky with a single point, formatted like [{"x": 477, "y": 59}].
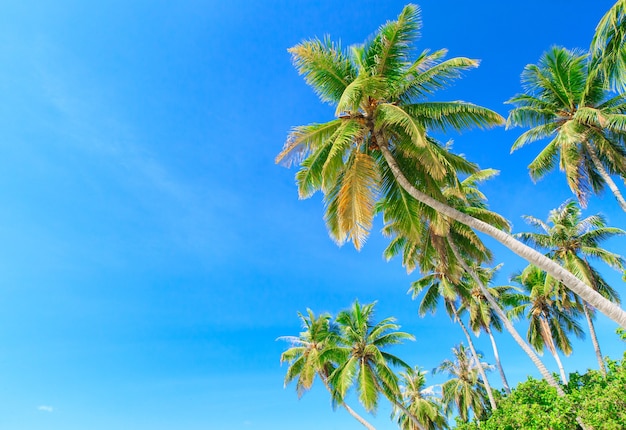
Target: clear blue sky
[{"x": 151, "y": 252}]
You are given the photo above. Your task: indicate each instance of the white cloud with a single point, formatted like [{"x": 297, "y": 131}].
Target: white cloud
[{"x": 45, "y": 408}]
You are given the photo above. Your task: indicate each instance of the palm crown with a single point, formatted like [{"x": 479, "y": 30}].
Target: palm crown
[
  {"x": 566, "y": 100},
  {"x": 379, "y": 92}
]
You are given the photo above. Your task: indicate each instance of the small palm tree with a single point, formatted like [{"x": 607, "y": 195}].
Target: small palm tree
[
  {"x": 464, "y": 390},
  {"x": 550, "y": 313},
  {"x": 566, "y": 101},
  {"x": 438, "y": 285},
  {"x": 421, "y": 401},
  {"x": 365, "y": 363},
  {"x": 483, "y": 317},
  {"x": 572, "y": 241},
  {"x": 306, "y": 357}
]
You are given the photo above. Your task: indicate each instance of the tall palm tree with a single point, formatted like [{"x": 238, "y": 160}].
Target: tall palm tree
[
  {"x": 448, "y": 254},
  {"x": 306, "y": 360},
  {"x": 365, "y": 363},
  {"x": 608, "y": 47},
  {"x": 482, "y": 316},
  {"x": 421, "y": 401},
  {"x": 572, "y": 240},
  {"x": 438, "y": 285},
  {"x": 550, "y": 314},
  {"x": 566, "y": 100},
  {"x": 380, "y": 131},
  {"x": 464, "y": 390}
]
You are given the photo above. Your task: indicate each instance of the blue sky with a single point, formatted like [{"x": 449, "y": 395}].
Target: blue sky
[{"x": 152, "y": 251}]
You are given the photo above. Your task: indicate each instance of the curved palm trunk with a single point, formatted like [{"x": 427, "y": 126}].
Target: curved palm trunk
[
  {"x": 505, "y": 383},
  {"x": 351, "y": 411},
  {"x": 594, "y": 339},
  {"x": 545, "y": 373},
  {"x": 509, "y": 326},
  {"x": 358, "y": 417},
  {"x": 481, "y": 370},
  {"x": 605, "y": 175},
  {"x": 557, "y": 358},
  {"x": 534, "y": 257}
]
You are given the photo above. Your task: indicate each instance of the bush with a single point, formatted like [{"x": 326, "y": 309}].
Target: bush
[{"x": 599, "y": 401}]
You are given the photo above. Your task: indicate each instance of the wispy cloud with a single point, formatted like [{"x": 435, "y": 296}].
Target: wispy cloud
[{"x": 45, "y": 408}]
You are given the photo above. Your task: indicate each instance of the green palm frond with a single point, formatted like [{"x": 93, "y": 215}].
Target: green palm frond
[
  {"x": 358, "y": 92},
  {"x": 607, "y": 45},
  {"x": 367, "y": 389},
  {"x": 432, "y": 75},
  {"x": 342, "y": 140},
  {"x": 325, "y": 67},
  {"x": 546, "y": 160},
  {"x": 306, "y": 138},
  {"x": 458, "y": 115},
  {"x": 309, "y": 178},
  {"x": 523, "y": 116},
  {"x": 391, "y": 115},
  {"x": 388, "y": 52},
  {"x": 536, "y": 133}
]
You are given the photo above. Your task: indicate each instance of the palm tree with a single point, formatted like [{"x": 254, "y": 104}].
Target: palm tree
[
  {"x": 380, "y": 132},
  {"x": 550, "y": 313},
  {"x": 439, "y": 285},
  {"x": 364, "y": 361},
  {"x": 305, "y": 358},
  {"x": 447, "y": 255},
  {"x": 464, "y": 390},
  {"x": 421, "y": 401},
  {"x": 482, "y": 316},
  {"x": 572, "y": 240},
  {"x": 565, "y": 100},
  {"x": 608, "y": 47}
]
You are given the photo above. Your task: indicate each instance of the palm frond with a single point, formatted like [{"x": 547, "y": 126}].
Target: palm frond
[{"x": 325, "y": 67}]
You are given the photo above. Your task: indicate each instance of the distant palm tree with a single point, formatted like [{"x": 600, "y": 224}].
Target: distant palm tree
[
  {"x": 483, "y": 317},
  {"x": 306, "y": 360},
  {"x": 421, "y": 401},
  {"x": 440, "y": 248},
  {"x": 550, "y": 313},
  {"x": 566, "y": 101},
  {"x": 464, "y": 390},
  {"x": 438, "y": 285},
  {"x": 364, "y": 362},
  {"x": 572, "y": 240}
]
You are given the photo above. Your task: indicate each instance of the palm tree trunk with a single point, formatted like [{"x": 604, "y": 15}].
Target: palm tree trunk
[
  {"x": 594, "y": 338},
  {"x": 545, "y": 373},
  {"x": 507, "y": 324},
  {"x": 605, "y": 175},
  {"x": 351, "y": 411},
  {"x": 481, "y": 370},
  {"x": 505, "y": 383},
  {"x": 534, "y": 257},
  {"x": 555, "y": 354},
  {"x": 358, "y": 417}
]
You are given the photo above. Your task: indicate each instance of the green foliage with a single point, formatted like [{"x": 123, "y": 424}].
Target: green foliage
[{"x": 599, "y": 401}]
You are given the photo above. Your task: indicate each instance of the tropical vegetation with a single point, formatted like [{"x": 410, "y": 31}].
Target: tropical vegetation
[{"x": 380, "y": 156}]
